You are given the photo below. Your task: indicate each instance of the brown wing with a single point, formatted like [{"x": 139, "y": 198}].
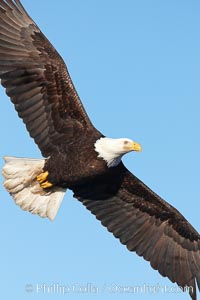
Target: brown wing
[
  {"x": 37, "y": 81},
  {"x": 146, "y": 224}
]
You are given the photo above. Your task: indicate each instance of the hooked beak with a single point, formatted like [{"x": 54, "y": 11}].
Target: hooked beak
[{"x": 135, "y": 147}]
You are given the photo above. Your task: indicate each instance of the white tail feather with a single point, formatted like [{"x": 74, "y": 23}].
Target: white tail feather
[{"x": 20, "y": 181}]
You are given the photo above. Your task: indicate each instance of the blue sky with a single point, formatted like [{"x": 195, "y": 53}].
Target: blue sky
[{"x": 136, "y": 67}]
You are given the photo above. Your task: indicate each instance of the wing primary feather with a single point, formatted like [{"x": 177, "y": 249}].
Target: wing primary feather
[
  {"x": 35, "y": 100},
  {"x": 22, "y": 88},
  {"x": 5, "y": 30},
  {"x": 26, "y": 95},
  {"x": 5, "y": 38}
]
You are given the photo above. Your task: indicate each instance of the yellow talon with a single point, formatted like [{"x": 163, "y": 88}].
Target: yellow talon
[
  {"x": 42, "y": 179},
  {"x": 46, "y": 184}
]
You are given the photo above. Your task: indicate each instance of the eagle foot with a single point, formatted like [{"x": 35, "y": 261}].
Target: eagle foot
[{"x": 42, "y": 179}]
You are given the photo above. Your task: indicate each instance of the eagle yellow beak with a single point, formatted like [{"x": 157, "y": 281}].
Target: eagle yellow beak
[{"x": 135, "y": 147}]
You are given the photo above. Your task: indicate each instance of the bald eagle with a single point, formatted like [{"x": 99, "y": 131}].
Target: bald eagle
[{"x": 80, "y": 158}]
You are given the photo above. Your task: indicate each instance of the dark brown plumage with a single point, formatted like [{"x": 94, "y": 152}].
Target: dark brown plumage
[
  {"x": 39, "y": 85},
  {"x": 37, "y": 81}
]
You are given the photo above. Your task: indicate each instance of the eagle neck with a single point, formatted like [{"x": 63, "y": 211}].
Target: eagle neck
[{"x": 106, "y": 152}]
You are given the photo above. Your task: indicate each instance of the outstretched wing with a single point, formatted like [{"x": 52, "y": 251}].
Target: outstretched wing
[
  {"x": 146, "y": 224},
  {"x": 37, "y": 81}
]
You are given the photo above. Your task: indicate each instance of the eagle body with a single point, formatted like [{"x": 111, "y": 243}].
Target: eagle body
[
  {"x": 77, "y": 156},
  {"x": 78, "y": 165}
]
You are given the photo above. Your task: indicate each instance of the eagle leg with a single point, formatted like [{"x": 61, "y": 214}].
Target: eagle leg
[{"x": 42, "y": 179}]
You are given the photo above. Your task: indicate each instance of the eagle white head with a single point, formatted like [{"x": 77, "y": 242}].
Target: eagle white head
[{"x": 112, "y": 150}]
